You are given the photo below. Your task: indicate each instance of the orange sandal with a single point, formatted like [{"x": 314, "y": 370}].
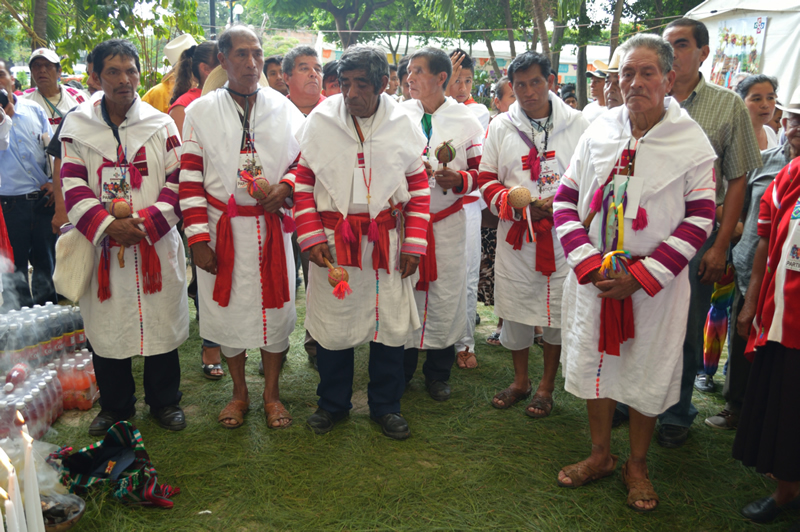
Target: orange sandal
[
  {"x": 639, "y": 489},
  {"x": 582, "y": 473},
  {"x": 277, "y": 412},
  {"x": 466, "y": 359},
  {"x": 235, "y": 411}
]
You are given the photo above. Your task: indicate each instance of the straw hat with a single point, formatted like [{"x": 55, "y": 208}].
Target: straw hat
[
  {"x": 600, "y": 69},
  {"x": 176, "y": 46},
  {"x": 793, "y": 106},
  {"x": 613, "y": 66},
  {"x": 219, "y": 77}
]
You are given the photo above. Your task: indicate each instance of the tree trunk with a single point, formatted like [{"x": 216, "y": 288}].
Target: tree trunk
[
  {"x": 39, "y": 21},
  {"x": 343, "y": 28},
  {"x": 534, "y": 38},
  {"x": 615, "y": 27},
  {"x": 212, "y": 17},
  {"x": 509, "y": 27},
  {"x": 487, "y": 38},
  {"x": 580, "y": 82},
  {"x": 555, "y": 43},
  {"x": 539, "y": 17}
]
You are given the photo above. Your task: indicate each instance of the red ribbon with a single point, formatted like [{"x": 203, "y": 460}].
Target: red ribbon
[
  {"x": 151, "y": 269},
  {"x": 616, "y": 322},
  {"x": 274, "y": 275},
  {"x": 348, "y": 243},
  {"x": 135, "y": 175},
  {"x": 428, "y": 269},
  {"x": 545, "y": 253}
]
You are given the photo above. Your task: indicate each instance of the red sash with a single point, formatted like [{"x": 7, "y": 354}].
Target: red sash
[
  {"x": 616, "y": 321},
  {"x": 151, "y": 269},
  {"x": 274, "y": 276},
  {"x": 347, "y": 234},
  {"x": 6, "y": 251},
  {"x": 428, "y": 270},
  {"x": 545, "y": 253}
]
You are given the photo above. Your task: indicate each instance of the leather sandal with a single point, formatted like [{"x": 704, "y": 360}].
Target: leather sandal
[
  {"x": 234, "y": 410},
  {"x": 208, "y": 369},
  {"x": 277, "y": 412},
  {"x": 511, "y": 396},
  {"x": 639, "y": 489},
  {"x": 539, "y": 402},
  {"x": 466, "y": 359},
  {"x": 582, "y": 473}
]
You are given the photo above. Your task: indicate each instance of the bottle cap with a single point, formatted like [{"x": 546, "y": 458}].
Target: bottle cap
[
  {"x": 20, "y": 406},
  {"x": 80, "y": 367},
  {"x": 35, "y": 392},
  {"x": 9, "y": 387},
  {"x": 43, "y": 384}
]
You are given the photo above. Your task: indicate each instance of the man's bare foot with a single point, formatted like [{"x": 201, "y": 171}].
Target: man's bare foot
[{"x": 212, "y": 356}]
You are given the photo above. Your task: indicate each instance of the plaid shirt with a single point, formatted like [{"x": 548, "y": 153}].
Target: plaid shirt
[{"x": 724, "y": 118}]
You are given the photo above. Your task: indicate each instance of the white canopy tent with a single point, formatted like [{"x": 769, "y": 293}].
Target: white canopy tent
[{"x": 781, "y": 48}]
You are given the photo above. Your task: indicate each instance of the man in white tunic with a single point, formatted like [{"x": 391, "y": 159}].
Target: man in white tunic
[
  {"x": 441, "y": 286},
  {"x": 529, "y": 146},
  {"x": 242, "y": 247},
  {"x": 635, "y": 205},
  {"x": 54, "y": 98},
  {"x": 375, "y": 230},
  {"x": 119, "y": 149}
]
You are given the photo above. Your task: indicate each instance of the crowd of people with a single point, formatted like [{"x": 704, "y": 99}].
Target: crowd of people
[{"x": 597, "y": 234}]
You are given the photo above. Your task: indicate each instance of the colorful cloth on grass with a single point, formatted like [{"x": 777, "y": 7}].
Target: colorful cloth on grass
[
  {"x": 716, "y": 328},
  {"x": 133, "y": 481}
]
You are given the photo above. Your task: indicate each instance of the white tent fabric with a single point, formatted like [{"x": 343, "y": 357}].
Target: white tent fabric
[{"x": 781, "y": 55}]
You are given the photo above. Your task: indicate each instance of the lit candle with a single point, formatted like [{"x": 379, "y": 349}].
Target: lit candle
[
  {"x": 20, "y": 422},
  {"x": 14, "y": 494},
  {"x": 33, "y": 503},
  {"x": 12, "y": 518}
]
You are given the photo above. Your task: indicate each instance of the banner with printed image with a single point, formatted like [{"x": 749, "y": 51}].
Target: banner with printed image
[{"x": 738, "y": 50}]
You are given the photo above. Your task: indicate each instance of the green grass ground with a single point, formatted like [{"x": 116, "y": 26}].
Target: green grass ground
[{"x": 467, "y": 466}]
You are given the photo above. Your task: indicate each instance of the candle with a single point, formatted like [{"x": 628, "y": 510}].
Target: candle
[
  {"x": 14, "y": 493},
  {"x": 33, "y": 503},
  {"x": 12, "y": 522},
  {"x": 20, "y": 422}
]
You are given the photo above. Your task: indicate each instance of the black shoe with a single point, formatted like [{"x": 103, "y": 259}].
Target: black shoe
[
  {"x": 170, "y": 417},
  {"x": 106, "y": 419},
  {"x": 477, "y": 319},
  {"x": 672, "y": 436},
  {"x": 322, "y": 421},
  {"x": 311, "y": 350},
  {"x": 438, "y": 390},
  {"x": 766, "y": 509},
  {"x": 393, "y": 426},
  {"x": 704, "y": 383},
  {"x": 618, "y": 419}
]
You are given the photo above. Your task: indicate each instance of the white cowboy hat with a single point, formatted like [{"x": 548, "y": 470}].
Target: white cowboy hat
[
  {"x": 176, "y": 46},
  {"x": 600, "y": 69},
  {"x": 793, "y": 105},
  {"x": 219, "y": 77},
  {"x": 613, "y": 66}
]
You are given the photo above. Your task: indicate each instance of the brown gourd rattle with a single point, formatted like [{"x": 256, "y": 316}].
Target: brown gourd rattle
[
  {"x": 258, "y": 188},
  {"x": 445, "y": 153},
  {"x": 120, "y": 209},
  {"x": 338, "y": 279}
]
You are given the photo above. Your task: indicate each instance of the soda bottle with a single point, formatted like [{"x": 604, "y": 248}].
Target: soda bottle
[
  {"x": 3, "y": 333},
  {"x": 47, "y": 402},
  {"x": 69, "y": 331},
  {"x": 80, "y": 332},
  {"x": 83, "y": 385},
  {"x": 3, "y": 420},
  {"x": 67, "y": 383},
  {"x": 45, "y": 342},
  {"x": 57, "y": 334},
  {"x": 31, "y": 343},
  {"x": 34, "y": 420},
  {"x": 59, "y": 390},
  {"x": 18, "y": 374}
]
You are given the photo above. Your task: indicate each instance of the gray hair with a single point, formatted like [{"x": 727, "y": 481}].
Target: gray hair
[
  {"x": 288, "y": 60},
  {"x": 369, "y": 58},
  {"x": 660, "y": 46},
  {"x": 225, "y": 41}
]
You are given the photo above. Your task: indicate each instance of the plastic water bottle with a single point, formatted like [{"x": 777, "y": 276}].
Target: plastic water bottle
[
  {"x": 80, "y": 332},
  {"x": 59, "y": 389},
  {"x": 5, "y": 420},
  {"x": 45, "y": 342},
  {"x": 68, "y": 385},
  {"x": 69, "y": 330},
  {"x": 35, "y": 409}
]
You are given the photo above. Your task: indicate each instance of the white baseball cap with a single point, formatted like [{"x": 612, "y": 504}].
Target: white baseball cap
[
  {"x": 48, "y": 54},
  {"x": 176, "y": 46}
]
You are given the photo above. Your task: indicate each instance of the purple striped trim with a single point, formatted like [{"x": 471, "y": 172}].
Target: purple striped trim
[
  {"x": 562, "y": 216},
  {"x": 155, "y": 224},
  {"x": 691, "y": 234},
  {"x": 567, "y": 194},
  {"x": 171, "y": 197},
  {"x": 574, "y": 239},
  {"x": 413, "y": 249},
  {"x": 669, "y": 258},
  {"x": 312, "y": 241},
  {"x": 86, "y": 224},
  {"x": 75, "y": 195},
  {"x": 174, "y": 177},
  {"x": 702, "y": 208},
  {"x": 74, "y": 170}
]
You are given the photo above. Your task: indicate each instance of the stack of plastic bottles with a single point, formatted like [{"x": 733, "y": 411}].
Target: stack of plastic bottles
[{"x": 46, "y": 365}]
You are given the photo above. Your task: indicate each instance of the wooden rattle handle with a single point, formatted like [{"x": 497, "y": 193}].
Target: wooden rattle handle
[
  {"x": 121, "y": 256},
  {"x": 328, "y": 264}
]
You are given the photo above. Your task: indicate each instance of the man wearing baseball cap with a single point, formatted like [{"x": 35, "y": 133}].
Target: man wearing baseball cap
[
  {"x": 54, "y": 98},
  {"x": 598, "y": 80},
  {"x": 159, "y": 96}
]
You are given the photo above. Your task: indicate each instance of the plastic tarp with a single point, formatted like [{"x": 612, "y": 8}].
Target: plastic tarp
[{"x": 781, "y": 54}]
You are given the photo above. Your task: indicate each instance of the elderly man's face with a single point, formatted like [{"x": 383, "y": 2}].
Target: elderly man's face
[
  {"x": 642, "y": 83},
  {"x": 792, "y": 125},
  {"x": 45, "y": 73},
  {"x": 244, "y": 62},
  {"x": 611, "y": 91},
  {"x": 360, "y": 96},
  {"x": 305, "y": 78}
]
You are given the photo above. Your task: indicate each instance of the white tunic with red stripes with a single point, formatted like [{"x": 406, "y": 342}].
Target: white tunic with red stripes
[
  {"x": 130, "y": 322},
  {"x": 212, "y": 136},
  {"x": 443, "y": 306},
  {"x": 68, "y": 98},
  {"x": 676, "y": 161},
  {"x": 522, "y": 294}
]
